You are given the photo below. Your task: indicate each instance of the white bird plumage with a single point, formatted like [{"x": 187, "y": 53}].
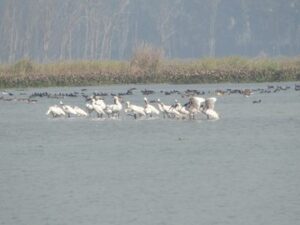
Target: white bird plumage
[
  {"x": 89, "y": 108},
  {"x": 181, "y": 109},
  {"x": 67, "y": 109},
  {"x": 101, "y": 103},
  {"x": 193, "y": 107},
  {"x": 208, "y": 109},
  {"x": 97, "y": 108},
  {"x": 79, "y": 111},
  {"x": 55, "y": 111},
  {"x": 168, "y": 110},
  {"x": 150, "y": 109},
  {"x": 114, "y": 109},
  {"x": 137, "y": 111}
]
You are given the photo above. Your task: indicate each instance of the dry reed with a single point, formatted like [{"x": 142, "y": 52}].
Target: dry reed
[{"x": 148, "y": 68}]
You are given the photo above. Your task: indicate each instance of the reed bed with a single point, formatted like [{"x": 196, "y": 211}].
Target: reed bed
[{"x": 26, "y": 73}]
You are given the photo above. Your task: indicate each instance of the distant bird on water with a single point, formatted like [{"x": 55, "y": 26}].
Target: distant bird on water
[{"x": 256, "y": 101}]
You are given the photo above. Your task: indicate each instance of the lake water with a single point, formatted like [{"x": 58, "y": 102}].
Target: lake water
[{"x": 241, "y": 169}]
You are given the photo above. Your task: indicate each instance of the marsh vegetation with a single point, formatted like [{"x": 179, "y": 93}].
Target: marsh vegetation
[{"x": 148, "y": 65}]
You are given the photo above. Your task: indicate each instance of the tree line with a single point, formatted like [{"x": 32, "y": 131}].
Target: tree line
[{"x": 55, "y": 30}]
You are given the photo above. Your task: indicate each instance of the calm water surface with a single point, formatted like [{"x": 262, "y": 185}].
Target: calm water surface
[{"x": 241, "y": 169}]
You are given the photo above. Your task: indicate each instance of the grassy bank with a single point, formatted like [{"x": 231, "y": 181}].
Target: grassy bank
[{"x": 148, "y": 69}]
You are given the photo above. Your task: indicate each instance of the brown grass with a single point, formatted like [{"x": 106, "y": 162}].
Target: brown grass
[{"x": 148, "y": 66}]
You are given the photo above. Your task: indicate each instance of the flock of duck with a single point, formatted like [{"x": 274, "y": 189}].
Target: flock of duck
[{"x": 96, "y": 104}]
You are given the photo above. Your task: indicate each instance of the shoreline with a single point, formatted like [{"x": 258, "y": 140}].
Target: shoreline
[{"x": 26, "y": 73}]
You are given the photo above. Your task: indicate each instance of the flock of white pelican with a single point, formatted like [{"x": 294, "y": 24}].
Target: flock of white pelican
[{"x": 190, "y": 110}]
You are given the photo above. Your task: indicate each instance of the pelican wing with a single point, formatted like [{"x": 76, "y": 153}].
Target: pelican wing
[
  {"x": 151, "y": 109},
  {"x": 59, "y": 111},
  {"x": 196, "y": 102},
  {"x": 138, "y": 109},
  {"x": 212, "y": 114},
  {"x": 55, "y": 111},
  {"x": 101, "y": 103},
  {"x": 210, "y": 103},
  {"x": 89, "y": 107},
  {"x": 98, "y": 109},
  {"x": 80, "y": 111}
]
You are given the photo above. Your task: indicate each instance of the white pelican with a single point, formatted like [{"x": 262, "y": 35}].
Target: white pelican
[
  {"x": 208, "y": 109},
  {"x": 55, "y": 111},
  {"x": 137, "y": 110},
  {"x": 163, "y": 108},
  {"x": 97, "y": 101},
  {"x": 100, "y": 102},
  {"x": 211, "y": 114},
  {"x": 181, "y": 109},
  {"x": 67, "y": 109},
  {"x": 168, "y": 110},
  {"x": 150, "y": 109},
  {"x": 115, "y": 108},
  {"x": 89, "y": 108},
  {"x": 194, "y": 105},
  {"x": 79, "y": 111},
  {"x": 160, "y": 107},
  {"x": 98, "y": 109}
]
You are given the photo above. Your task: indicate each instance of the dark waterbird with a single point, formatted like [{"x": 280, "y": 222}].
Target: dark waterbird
[
  {"x": 190, "y": 92},
  {"x": 172, "y": 92},
  {"x": 147, "y": 92},
  {"x": 128, "y": 92},
  {"x": 256, "y": 101},
  {"x": 55, "y": 95},
  {"x": 95, "y": 93}
]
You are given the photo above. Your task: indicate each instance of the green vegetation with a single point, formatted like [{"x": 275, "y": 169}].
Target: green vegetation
[{"x": 148, "y": 66}]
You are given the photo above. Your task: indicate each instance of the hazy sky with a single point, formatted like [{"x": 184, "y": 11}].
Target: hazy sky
[{"x": 104, "y": 29}]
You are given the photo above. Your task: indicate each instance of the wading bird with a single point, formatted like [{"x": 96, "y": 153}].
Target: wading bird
[
  {"x": 150, "y": 109},
  {"x": 55, "y": 111},
  {"x": 208, "y": 109},
  {"x": 114, "y": 109},
  {"x": 97, "y": 108},
  {"x": 68, "y": 109},
  {"x": 137, "y": 111},
  {"x": 194, "y": 105},
  {"x": 79, "y": 111},
  {"x": 168, "y": 110}
]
